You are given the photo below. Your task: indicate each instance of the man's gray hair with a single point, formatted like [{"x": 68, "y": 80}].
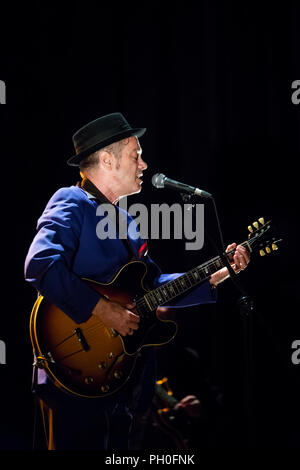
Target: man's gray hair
[{"x": 93, "y": 159}]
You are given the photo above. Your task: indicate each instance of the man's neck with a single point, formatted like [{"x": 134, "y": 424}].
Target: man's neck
[{"x": 104, "y": 189}]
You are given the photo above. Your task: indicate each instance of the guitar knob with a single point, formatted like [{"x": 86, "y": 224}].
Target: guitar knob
[
  {"x": 262, "y": 221},
  {"x": 250, "y": 228},
  {"x": 104, "y": 388},
  {"x": 102, "y": 365},
  {"x": 268, "y": 249},
  {"x": 274, "y": 246},
  {"x": 262, "y": 253},
  {"x": 255, "y": 224},
  {"x": 88, "y": 380},
  {"x": 117, "y": 374},
  {"x": 111, "y": 355}
]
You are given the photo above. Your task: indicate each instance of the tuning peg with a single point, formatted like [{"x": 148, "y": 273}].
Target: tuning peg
[
  {"x": 250, "y": 228},
  {"x": 262, "y": 221},
  {"x": 268, "y": 249},
  {"x": 261, "y": 252},
  {"x": 274, "y": 247},
  {"x": 255, "y": 224}
]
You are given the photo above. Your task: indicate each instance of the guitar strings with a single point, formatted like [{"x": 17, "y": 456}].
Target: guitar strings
[
  {"x": 94, "y": 328},
  {"x": 141, "y": 303}
]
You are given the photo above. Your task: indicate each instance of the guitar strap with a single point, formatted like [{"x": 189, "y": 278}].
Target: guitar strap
[{"x": 90, "y": 188}]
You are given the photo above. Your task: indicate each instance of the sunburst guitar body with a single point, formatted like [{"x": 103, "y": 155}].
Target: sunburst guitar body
[{"x": 90, "y": 359}]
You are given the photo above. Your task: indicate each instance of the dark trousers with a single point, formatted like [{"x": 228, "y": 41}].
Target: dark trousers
[
  {"x": 76, "y": 423},
  {"x": 72, "y": 423}
]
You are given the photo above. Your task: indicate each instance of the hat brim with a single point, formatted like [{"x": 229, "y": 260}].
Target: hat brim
[{"x": 76, "y": 159}]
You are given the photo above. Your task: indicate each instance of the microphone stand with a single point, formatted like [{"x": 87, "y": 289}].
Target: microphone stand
[{"x": 246, "y": 309}]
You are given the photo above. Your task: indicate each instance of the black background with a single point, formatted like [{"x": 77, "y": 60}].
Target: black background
[{"x": 211, "y": 81}]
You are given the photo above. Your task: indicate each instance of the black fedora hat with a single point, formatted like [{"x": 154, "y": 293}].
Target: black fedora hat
[{"x": 99, "y": 133}]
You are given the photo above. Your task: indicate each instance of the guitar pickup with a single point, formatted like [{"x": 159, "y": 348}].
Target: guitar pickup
[{"x": 81, "y": 339}]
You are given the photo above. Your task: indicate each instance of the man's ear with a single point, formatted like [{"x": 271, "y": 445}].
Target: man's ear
[{"x": 105, "y": 159}]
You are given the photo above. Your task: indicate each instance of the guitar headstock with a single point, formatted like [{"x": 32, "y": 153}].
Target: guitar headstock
[{"x": 261, "y": 234}]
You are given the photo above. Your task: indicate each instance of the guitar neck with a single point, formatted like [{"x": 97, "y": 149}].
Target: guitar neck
[{"x": 182, "y": 284}]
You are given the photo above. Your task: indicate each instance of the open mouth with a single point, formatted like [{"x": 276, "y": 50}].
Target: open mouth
[{"x": 139, "y": 177}]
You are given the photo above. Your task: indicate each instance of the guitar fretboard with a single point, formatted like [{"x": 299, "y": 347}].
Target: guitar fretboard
[{"x": 172, "y": 289}]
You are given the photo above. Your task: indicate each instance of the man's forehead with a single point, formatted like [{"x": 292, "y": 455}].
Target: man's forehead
[{"x": 136, "y": 144}]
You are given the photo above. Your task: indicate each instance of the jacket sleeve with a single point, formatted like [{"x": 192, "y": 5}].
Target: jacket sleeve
[{"x": 48, "y": 265}]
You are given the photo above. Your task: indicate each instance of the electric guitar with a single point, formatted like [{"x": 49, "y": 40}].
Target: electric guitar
[{"x": 92, "y": 360}]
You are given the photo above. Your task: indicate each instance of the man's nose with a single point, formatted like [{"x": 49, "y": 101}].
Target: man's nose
[{"x": 143, "y": 165}]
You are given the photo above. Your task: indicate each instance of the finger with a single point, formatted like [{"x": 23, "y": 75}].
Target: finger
[
  {"x": 188, "y": 398},
  {"x": 133, "y": 317},
  {"x": 178, "y": 406},
  {"x": 247, "y": 257},
  {"x": 244, "y": 252},
  {"x": 195, "y": 402},
  {"x": 230, "y": 248},
  {"x": 235, "y": 268},
  {"x": 192, "y": 402},
  {"x": 133, "y": 326},
  {"x": 130, "y": 305},
  {"x": 240, "y": 261},
  {"x": 244, "y": 258}
]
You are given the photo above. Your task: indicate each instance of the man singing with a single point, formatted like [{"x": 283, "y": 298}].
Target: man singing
[{"x": 66, "y": 249}]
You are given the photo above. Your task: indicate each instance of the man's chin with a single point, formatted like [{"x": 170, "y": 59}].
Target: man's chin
[{"x": 138, "y": 190}]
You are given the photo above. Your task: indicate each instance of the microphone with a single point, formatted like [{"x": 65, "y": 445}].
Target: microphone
[{"x": 161, "y": 181}]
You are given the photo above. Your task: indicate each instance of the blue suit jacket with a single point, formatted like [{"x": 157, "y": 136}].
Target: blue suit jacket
[{"x": 66, "y": 248}]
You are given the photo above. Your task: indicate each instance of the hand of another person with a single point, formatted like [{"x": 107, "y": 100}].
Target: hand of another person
[{"x": 191, "y": 405}]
